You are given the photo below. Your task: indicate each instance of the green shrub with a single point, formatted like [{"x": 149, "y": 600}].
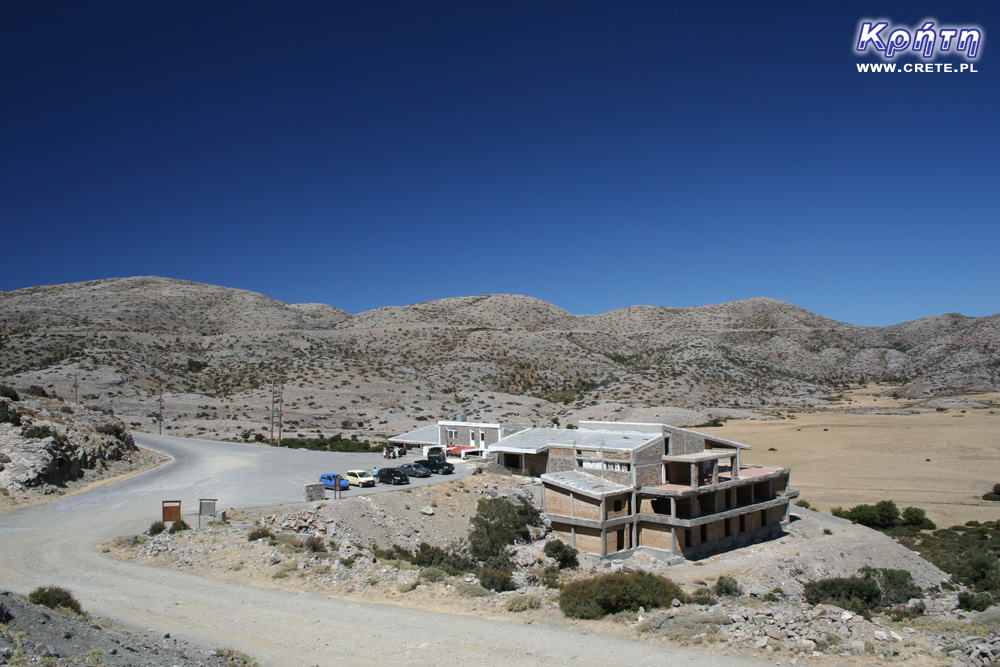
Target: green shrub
[
  {"x": 803, "y": 504},
  {"x": 260, "y": 533},
  {"x": 562, "y": 553},
  {"x": 870, "y": 591},
  {"x": 9, "y": 414},
  {"x": 974, "y": 601},
  {"x": 702, "y": 596},
  {"x": 914, "y": 516},
  {"x": 497, "y": 524},
  {"x": 432, "y": 574},
  {"x": 523, "y": 602},
  {"x": 35, "y": 390},
  {"x": 178, "y": 526},
  {"x": 315, "y": 544},
  {"x": 54, "y": 597},
  {"x": 994, "y": 494},
  {"x": 156, "y": 528},
  {"x": 496, "y": 580},
  {"x": 612, "y": 593},
  {"x": 39, "y": 432},
  {"x": 111, "y": 428},
  {"x": 427, "y": 555},
  {"x": 6, "y": 391},
  {"x": 465, "y": 589},
  {"x": 727, "y": 587},
  {"x": 550, "y": 578}
]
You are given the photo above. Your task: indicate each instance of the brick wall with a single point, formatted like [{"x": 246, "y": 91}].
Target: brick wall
[
  {"x": 686, "y": 443},
  {"x": 559, "y": 463},
  {"x": 535, "y": 464},
  {"x": 557, "y": 501},
  {"x": 655, "y": 536},
  {"x": 586, "y": 508},
  {"x": 648, "y": 475},
  {"x": 563, "y": 532},
  {"x": 609, "y": 504},
  {"x": 588, "y": 539}
]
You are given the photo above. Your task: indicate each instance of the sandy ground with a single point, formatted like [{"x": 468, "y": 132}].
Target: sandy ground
[{"x": 940, "y": 461}]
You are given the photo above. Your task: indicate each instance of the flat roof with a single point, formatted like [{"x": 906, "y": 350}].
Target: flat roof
[
  {"x": 477, "y": 424},
  {"x": 698, "y": 457},
  {"x": 653, "y": 427},
  {"x": 535, "y": 440},
  {"x": 597, "y": 487},
  {"x": 428, "y": 435}
]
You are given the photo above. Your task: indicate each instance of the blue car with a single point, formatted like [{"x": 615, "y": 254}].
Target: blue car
[{"x": 327, "y": 480}]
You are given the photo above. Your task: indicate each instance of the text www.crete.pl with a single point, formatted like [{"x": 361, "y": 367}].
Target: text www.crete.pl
[{"x": 919, "y": 68}]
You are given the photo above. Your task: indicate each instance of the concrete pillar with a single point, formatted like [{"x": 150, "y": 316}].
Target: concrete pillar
[
  {"x": 715, "y": 471},
  {"x": 694, "y": 475},
  {"x": 673, "y": 507},
  {"x": 736, "y": 465}
]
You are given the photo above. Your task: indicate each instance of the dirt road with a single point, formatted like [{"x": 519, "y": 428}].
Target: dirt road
[{"x": 54, "y": 544}]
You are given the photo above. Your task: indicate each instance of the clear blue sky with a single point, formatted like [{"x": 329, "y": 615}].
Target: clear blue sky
[{"x": 593, "y": 154}]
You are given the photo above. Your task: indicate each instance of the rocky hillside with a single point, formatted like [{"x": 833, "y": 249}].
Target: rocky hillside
[
  {"x": 500, "y": 357},
  {"x": 48, "y": 446}
]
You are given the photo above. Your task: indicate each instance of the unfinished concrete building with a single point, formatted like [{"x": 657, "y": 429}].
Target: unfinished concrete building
[{"x": 611, "y": 488}]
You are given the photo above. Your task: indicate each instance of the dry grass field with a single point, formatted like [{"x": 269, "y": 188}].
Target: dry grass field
[{"x": 942, "y": 461}]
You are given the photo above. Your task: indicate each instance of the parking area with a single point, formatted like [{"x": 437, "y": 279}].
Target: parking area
[{"x": 341, "y": 462}]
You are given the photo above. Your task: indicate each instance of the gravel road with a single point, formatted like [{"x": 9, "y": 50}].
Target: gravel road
[{"x": 54, "y": 544}]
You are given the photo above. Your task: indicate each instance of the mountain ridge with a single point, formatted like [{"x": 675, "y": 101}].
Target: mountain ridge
[{"x": 473, "y": 354}]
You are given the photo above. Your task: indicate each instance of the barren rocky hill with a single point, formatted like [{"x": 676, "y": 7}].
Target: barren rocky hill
[{"x": 500, "y": 357}]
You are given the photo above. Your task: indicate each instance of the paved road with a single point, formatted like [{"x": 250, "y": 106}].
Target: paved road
[{"x": 53, "y": 544}]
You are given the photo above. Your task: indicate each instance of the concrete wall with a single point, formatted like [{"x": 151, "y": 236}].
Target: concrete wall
[{"x": 465, "y": 432}]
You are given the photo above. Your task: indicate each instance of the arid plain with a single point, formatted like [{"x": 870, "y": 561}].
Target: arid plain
[{"x": 940, "y": 460}]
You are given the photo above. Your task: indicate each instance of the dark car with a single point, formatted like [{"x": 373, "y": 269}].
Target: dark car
[
  {"x": 414, "y": 470},
  {"x": 438, "y": 465},
  {"x": 392, "y": 476},
  {"x": 329, "y": 481}
]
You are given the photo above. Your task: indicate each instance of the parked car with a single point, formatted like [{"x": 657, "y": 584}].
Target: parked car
[
  {"x": 360, "y": 478},
  {"x": 460, "y": 450},
  {"x": 414, "y": 470},
  {"x": 438, "y": 465},
  {"x": 328, "y": 480},
  {"x": 392, "y": 476}
]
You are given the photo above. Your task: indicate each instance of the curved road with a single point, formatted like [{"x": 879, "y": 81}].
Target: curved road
[{"x": 53, "y": 544}]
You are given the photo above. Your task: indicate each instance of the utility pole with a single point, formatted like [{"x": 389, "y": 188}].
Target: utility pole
[
  {"x": 76, "y": 385},
  {"x": 281, "y": 403},
  {"x": 161, "y": 409},
  {"x": 277, "y": 404}
]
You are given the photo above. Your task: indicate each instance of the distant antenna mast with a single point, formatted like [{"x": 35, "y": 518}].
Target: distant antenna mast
[{"x": 161, "y": 409}]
